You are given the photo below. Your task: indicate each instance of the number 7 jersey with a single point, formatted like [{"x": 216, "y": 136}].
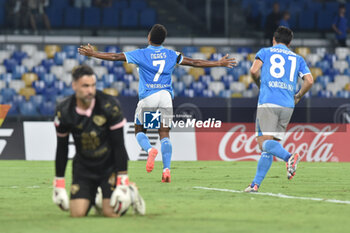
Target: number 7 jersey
[
  {"x": 279, "y": 75},
  {"x": 156, "y": 65}
]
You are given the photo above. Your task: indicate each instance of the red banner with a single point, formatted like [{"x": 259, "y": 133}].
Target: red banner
[{"x": 314, "y": 142}]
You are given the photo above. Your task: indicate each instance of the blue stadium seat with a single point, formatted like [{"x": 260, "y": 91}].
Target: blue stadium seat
[
  {"x": 127, "y": 78},
  {"x": 72, "y": 17},
  {"x": 108, "y": 64},
  {"x": 47, "y": 108},
  {"x": 343, "y": 94},
  {"x": 198, "y": 87},
  {"x": 325, "y": 94},
  {"x": 40, "y": 71},
  {"x": 119, "y": 71},
  {"x": 225, "y": 94},
  {"x": 37, "y": 100},
  {"x": 59, "y": 85},
  {"x": 227, "y": 79},
  {"x": 14, "y": 111},
  {"x": 59, "y": 58},
  {"x": 129, "y": 92},
  {"x": 28, "y": 109},
  {"x": 71, "y": 51},
  {"x": 108, "y": 79},
  {"x": 112, "y": 49},
  {"x": 331, "y": 72},
  {"x": 49, "y": 80},
  {"x": 67, "y": 91},
  {"x": 18, "y": 56},
  {"x": 208, "y": 93},
  {"x": 100, "y": 85},
  {"x": 18, "y": 99},
  {"x": 110, "y": 17},
  {"x": 244, "y": 50},
  {"x": 178, "y": 87},
  {"x": 188, "y": 93},
  {"x": 179, "y": 71},
  {"x": 189, "y": 50},
  {"x": 10, "y": 64},
  {"x": 216, "y": 56},
  {"x": 236, "y": 72},
  {"x": 47, "y": 63},
  {"x": 129, "y": 18},
  {"x": 325, "y": 19},
  {"x": 307, "y": 20},
  {"x": 324, "y": 65},
  {"x": 18, "y": 71},
  {"x": 245, "y": 65},
  {"x": 92, "y": 17},
  {"x": 324, "y": 80},
  {"x": 50, "y": 93},
  {"x": 7, "y": 77},
  {"x": 205, "y": 79},
  {"x": 148, "y": 17}
]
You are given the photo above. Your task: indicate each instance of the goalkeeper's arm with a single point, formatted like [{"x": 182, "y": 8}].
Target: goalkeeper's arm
[{"x": 59, "y": 195}]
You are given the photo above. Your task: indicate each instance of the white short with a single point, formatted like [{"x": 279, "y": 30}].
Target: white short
[
  {"x": 272, "y": 120},
  {"x": 161, "y": 101}
]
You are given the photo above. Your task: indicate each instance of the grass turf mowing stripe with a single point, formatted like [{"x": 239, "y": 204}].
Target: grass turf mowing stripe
[{"x": 279, "y": 195}]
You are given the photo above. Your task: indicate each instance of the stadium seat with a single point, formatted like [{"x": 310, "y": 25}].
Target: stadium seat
[
  {"x": 341, "y": 65},
  {"x": 59, "y": 58},
  {"x": 108, "y": 79},
  {"x": 58, "y": 71},
  {"x": 325, "y": 94},
  {"x": 92, "y": 17},
  {"x": 218, "y": 72},
  {"x": 236, "y": 95},
  {"x": 134, "y": 85},
  {"x": 2, "y": 69},
  {"x": 206, "y": 79},
  {"x": 251, "y": 57},
  {"x": 47, "y": 108},
  {"x": 198, "y": 88},
  {"x": 67, "y": 91},
  {"x": 112, "y": 49},
  {"x": 50, "y": 93},
  {"x": 238, "y": 56},
  {"x": 39, "y": 86},
  {"x": 39, "y": 56},
  {"x": 2, "y": 85},
  {"x": 19, "y": 56},
  {"x": 313, "y": 58},
  {"x": 248, "y": 94},
  {"x": 18, "y": 71},
  {"x": 110, "y": 91},
  {"x": 6, "y": 77},
  {"x": 129, "y": 18},
  {"x": 302, "y": 51},
  {"x": 196, "y": 72},
  {"x": 16, "y": 85},
  {"x": 199, "y": 55},
  {"x": 225, "y": 94},
  {"x": 72, "y": 17},
  {"x": 4, "y": 55},
  {"x": 227, "y": 79},
  {"x": 128, "y": 48},
  {"x": 39, "y": 70},
  {"x": 27, "y": 92},
  {"x": 216, "y": 87},
  {"x": 321, "y": 51},
  {"x": 51, "y": 50},
  {"x": 347, "y": 87},
  {"x": 323, "y": 65},
  {"x": 47, "y": 63},
  {"x": 342, "y": 52},
  {"x": 331, "y": 72},
  {"x": 37, "y": 100},
  {"x": 189, "y": 50},
  {"x": 208, "y": 93},
  {"x": 148, "y": 17},
  {"x": 342, "y": 80},
  {"x": 71, "y": 51},
  {"x": 237, "y": 87},
  {"x": 237, "y": 72},
  {"x": 178, "y": 87},
  {"x": 118, "y": 71},
  {"x": 244, "y": 50},
  {"x": 189, "y": 93},
  {"x": 100, "y": 71},
  {"x": 316, "y": 72},
  {"x": 18, "y": 99},
  {"x": 119, "y": 86},
  {"x": 69, "y": 64},
  {"x": 245, "y": 65},
  {"x": 10, "y": 64},
  {"x": 343, "y": 94},
  {"x": 29, "y": 63},
  {"x": 128, "y": 78},
  {"x": 128, "y": 92},
  {"x": 28, "y": 109},
  {"x": 7, "y": 94},
  {"x": 207, "y": 51},
  {"x": 246, "y": 80},
  {"x": 129, "y": 67},
  {"x": 49, "y": 79},
  {"x": 110, "y": 17},
  {"x": 29, "y": 78},
  {"x": 59, "y": 85}
]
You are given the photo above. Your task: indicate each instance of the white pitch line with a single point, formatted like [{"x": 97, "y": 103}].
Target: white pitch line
[{"x": 279, "y": 195}]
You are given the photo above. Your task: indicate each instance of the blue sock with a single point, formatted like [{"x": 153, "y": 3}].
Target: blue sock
[
  {"x": 275, "y": 148},
  {"x": 166, "y": 152},
  {"x": 143, "y": 141},
  {"x": 264, "y": 165}
]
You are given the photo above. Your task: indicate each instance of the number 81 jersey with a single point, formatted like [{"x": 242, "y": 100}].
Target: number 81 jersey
[
  {"x": 156, "y": 65},
  {"x": 279, "y": 75}
]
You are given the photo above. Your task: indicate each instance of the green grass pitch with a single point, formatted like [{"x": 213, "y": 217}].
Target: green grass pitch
[{"x": 26, "y": 205}]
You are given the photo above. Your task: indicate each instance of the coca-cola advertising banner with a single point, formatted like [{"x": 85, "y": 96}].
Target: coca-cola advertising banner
[{"x": 237, "y": 142}]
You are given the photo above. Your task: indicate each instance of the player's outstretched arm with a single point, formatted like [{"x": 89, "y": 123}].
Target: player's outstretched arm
[
  {"x": 223, "y": 62},
  {"x": 88, "y": 50},
  {"x": 307, "y": 84},
  {"x": 255, "y": 71}
]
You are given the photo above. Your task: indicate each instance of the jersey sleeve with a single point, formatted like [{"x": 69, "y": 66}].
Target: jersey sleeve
[
  {"x": 62, "y": 128},
  {"x": 260, "y": 55},
  {"x": 179, "y": 57},
  {"x": 115, "y": 117},
  {"x": 303, "y": 68},
  {"x": 133, "y": 56}
]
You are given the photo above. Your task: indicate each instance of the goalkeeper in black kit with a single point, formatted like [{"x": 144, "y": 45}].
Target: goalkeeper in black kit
[{"x": 96, "y": 122}]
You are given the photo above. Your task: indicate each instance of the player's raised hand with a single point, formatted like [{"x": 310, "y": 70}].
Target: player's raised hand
[
  {"x": 86, "y": 50},
  {"x": 59, "y": 195},
  {"x": 227, "y": 62}
]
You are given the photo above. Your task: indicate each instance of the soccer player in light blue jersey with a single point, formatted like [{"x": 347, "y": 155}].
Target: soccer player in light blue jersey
[
  {"x": 156, "y": 65},
  {"x": 276, "y": 70}
]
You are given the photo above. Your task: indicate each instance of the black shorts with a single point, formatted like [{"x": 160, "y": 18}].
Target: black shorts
[{"x": 86, "y": 188}]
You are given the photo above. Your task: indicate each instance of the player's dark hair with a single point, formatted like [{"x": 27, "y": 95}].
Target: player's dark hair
[
  {"x": 283, "y": 35},
  {"x": 80, "y": 71},
  {"x": 157, "y": 34}
]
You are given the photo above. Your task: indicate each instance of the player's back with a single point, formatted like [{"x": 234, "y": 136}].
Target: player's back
[
  {"x": 156, "y": 65},
  {"x": 279, "y": 75}
]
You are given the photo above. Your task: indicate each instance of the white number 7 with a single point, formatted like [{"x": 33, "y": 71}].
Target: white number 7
[{"x": 161, "y": 64}]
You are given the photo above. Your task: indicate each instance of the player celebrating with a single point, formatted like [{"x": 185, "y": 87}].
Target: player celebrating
[
  {"x": 156, "y": 65},
  {"x": 96, "y": 122},
  {"x": 280, "y": 68}
]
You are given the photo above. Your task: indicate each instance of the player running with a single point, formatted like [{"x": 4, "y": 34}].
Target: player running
[
  {"x": 156, "y": 65},
  {"x": 96, "y": 122},
  {"x": 280, "y": 69}
]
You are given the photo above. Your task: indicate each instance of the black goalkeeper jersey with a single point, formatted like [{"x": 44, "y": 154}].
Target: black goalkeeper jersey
[{"x": 90, "y": 130}]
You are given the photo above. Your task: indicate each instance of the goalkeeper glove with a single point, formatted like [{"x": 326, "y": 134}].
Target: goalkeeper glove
[
  {"x": 59, "y": 195},
  {"x": 121, "y": 195}
]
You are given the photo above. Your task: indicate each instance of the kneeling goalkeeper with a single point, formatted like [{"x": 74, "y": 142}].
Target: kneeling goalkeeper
[{"x": 96, "y": 122}]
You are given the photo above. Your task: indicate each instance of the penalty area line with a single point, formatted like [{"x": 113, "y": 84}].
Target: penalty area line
[{"x": 279, "y": 195}]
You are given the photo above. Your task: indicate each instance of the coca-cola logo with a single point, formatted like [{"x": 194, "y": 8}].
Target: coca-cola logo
[{"x": 307, "y": 140}]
